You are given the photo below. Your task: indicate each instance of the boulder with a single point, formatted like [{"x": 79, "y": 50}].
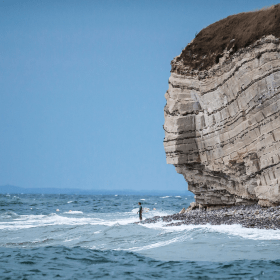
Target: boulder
[{"x": 182, "y": 211}]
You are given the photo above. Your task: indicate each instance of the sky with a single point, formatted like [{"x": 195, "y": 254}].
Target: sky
[{"x": 82, "y": 86}]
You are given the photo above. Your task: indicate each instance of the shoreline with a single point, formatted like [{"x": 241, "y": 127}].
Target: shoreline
[{"x": 251, "y": 216}]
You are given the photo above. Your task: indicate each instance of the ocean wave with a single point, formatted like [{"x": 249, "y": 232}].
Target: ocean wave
[
  {"x": 117, "y": 227},
  {"x": 72, "y": 239},
  {"x": 53, "y": 219},
  {"x": 73, "y": 212},
  {"x": 28, "y": 243},
  {"x": 79, "y": 263},
  {"x": 229, "y": 230},
  {"x": 155, "y": 245},
  {"x": 31, "y": 221},
  {"x": 9, "y": 215}
]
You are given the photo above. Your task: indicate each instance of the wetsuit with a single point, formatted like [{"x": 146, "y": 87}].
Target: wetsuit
[{"x": 140, "y": 212}]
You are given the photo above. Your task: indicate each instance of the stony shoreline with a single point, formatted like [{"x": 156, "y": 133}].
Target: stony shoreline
[{"x": 252, "y": 216}]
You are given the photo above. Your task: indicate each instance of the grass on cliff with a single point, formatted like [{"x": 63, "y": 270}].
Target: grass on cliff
[{"x": 234, "y": 32}]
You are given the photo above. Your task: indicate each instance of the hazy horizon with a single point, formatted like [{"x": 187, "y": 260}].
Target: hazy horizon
[{"x": 8, "y": 189}]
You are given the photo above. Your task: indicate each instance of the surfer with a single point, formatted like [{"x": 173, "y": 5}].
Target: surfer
[{"x": 140, "y": 211}]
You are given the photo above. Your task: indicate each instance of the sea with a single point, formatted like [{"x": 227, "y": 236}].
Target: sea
[{"x": 98, "y": 237}]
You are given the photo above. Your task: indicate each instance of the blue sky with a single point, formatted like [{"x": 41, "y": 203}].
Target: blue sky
[{"x": 82, "y": 89}]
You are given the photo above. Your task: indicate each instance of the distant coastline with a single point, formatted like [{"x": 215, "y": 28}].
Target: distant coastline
[{"x": 16, "y": 190}]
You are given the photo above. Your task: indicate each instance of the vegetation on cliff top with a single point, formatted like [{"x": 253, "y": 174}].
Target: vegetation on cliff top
[{"x": 232, "y": 33}]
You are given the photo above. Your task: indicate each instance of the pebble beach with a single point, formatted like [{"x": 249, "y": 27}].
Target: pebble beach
[{"x": 253, "y": 216}]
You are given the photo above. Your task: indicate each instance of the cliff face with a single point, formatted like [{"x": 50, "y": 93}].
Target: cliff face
[{"x": 222, "y": 125}]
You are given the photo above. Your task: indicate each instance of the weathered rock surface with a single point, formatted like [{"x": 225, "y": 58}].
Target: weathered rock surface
[{"x": 222, "y": 126}]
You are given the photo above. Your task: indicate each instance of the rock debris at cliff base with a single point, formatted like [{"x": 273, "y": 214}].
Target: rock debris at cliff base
[{"x": 252, "y": 216}]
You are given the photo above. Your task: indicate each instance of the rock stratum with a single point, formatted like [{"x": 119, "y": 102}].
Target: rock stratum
[{"x": 222, "y": 122}]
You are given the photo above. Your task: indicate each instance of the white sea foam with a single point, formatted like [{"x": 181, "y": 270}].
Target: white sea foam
[
  {"x": 142, "y": 199},
  {"x": 178, "y": 196},
  {"x": 155, "y": 245},
  {"x": 32, "y": 221},
  {"x": 71, "y": 239},
  {"x": 53, "y": 219},
  {"x": 230, "y": 230},
  {"x": 73, "y": 212},
  {"x": 248, "y": 233},
  {"x": 70, "y": 201},
  {"x": 165, "y": 196},
  {"x": 125, "y": 218}
]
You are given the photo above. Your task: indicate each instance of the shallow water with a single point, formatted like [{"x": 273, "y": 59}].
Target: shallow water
[{"x": 99, "y": 239}]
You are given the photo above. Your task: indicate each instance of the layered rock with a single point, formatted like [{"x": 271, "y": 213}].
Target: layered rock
[{"x": 222, "y": 126}]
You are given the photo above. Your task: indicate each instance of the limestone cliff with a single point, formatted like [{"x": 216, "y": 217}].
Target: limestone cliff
[{"x": 222, "y": 122}]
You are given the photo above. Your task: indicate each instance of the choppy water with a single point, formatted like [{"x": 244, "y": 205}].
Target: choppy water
[{"x": 99, "y": 239}]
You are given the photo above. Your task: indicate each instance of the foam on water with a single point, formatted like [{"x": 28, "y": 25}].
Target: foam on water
[
  {"x": 155, "y": 245},
  {"x": 108, "y": 224},
  {"x": 32, "y": 221},
  {"x": 53, "y": 219},
  {"x": 234, "y": 230}
]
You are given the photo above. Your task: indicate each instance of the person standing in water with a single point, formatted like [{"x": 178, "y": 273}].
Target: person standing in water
[{"x": 140, "y": 211}]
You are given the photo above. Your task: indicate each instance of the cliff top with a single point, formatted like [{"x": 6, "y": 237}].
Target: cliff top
[{"x": 232, "y": 33}]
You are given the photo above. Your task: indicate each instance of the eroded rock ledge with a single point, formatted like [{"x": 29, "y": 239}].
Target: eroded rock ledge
[{"x": 222, "y": 126}]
